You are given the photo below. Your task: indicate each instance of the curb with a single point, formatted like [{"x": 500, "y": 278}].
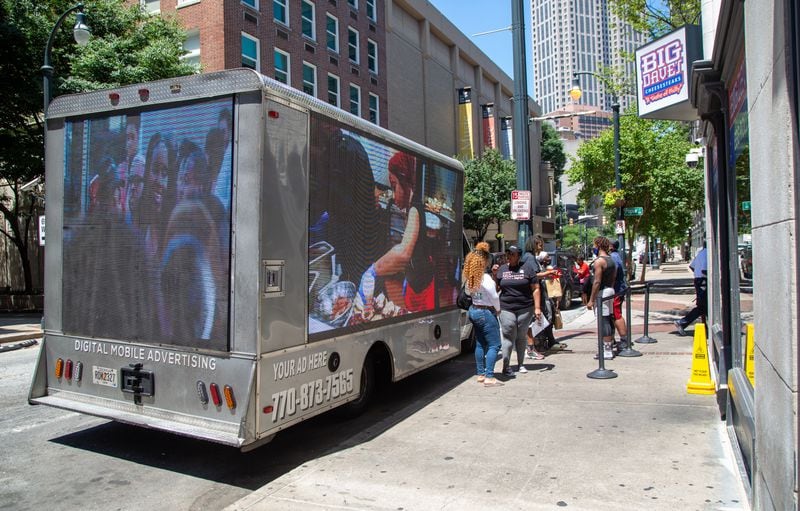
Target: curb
[{"x": 20, "y": 336}]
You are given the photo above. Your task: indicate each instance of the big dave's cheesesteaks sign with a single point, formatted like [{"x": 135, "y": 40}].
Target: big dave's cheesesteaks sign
[{"x": 663, "y": 75}]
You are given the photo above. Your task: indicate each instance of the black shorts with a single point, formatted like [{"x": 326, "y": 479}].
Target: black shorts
[{"x": 607, "y": 326}]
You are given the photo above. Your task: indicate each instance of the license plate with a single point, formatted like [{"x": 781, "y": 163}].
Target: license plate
[{"x": 104, "y": 376}]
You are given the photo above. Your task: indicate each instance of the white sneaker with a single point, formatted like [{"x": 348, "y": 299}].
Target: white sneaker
[
  {"x": 522, "y": 369},
  {"x": 608, "y": 354}
]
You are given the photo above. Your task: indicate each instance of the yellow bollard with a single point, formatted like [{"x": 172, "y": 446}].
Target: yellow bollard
[
  {"x": 749, "y": 361},
  {"x": 700, "y": 382}
]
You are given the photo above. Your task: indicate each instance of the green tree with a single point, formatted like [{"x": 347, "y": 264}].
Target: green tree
[
  {"x": 657, "y": 18},
  {"x": 488, "y": 183},
  {"x": 653, "y": 173},
  {"x": 127, "y": 46}
]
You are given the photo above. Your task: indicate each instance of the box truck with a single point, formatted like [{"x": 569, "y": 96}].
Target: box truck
[{"x": 227, "y": 256}]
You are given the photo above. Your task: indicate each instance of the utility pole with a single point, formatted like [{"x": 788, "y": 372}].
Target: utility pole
[{"x": 521, "y": 139}]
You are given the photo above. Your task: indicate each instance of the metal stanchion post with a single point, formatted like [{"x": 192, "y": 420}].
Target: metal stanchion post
[
  {"x": 601, "y": 373},
  {"x": 646, "y": 339},
  {"x": 626, "y": 350}
]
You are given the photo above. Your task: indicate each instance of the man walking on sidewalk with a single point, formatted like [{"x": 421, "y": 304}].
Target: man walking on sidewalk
[
  {"x": 699, "y": 266},
  {"x": 605, "y": 273},
  {"x": 620, "y": 285}
]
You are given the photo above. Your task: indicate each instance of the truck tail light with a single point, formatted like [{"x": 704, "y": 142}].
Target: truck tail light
[
  {"x": 68, "y": 370},
  {"x": 229, "y": 399},
  {"x": 59, "y": 367},
  {"x": 77, "y": 373},
  {"x": 202, "y": 394},
  {"x": 215, "y": 394}
]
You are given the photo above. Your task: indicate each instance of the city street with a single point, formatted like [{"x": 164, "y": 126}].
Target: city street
[{"x": 548, "y": 439}]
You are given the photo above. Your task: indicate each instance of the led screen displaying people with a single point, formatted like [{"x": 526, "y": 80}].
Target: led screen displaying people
[
  {"x": 147, "y": 225},
  {"x": 384, "y": 240}
]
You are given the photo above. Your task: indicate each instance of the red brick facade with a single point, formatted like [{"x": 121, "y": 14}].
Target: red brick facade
[{"x": 221, "y": 22}]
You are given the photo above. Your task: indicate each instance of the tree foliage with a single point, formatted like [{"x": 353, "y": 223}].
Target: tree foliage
[
  {"x": 489, "y": 181},
  {"x": 653, "y": 173},
  {"x": 127, "y": 46},
  {"x": 657, "y": 18}
]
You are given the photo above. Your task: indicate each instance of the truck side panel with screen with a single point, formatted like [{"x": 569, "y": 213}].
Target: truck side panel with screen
[{"x": 228, "y": 257}]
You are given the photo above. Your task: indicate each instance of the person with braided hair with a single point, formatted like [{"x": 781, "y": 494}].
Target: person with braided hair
[{"x": 483, "y": 312}]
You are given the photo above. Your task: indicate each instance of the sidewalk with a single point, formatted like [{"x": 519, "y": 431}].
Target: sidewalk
[
  {"x": 19, "y": 326},
  {"x": 548, "y": 439}
]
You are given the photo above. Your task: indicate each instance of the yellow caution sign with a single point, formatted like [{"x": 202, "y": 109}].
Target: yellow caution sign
[
  {"x": 700, "y": 382},
  {"x": 749, "y": 361}
]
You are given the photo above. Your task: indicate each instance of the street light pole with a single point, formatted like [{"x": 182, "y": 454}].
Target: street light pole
[
  {"x": 521, "y": 141},
  {"x": 575, "y": 92},
  {"x": 81, "y": 33}
]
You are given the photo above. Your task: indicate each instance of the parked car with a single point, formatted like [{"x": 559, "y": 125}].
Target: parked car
[{"x": 746, "y": 261}]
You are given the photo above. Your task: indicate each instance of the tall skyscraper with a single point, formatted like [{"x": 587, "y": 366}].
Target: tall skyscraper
[{"x": 578, "y": 35}]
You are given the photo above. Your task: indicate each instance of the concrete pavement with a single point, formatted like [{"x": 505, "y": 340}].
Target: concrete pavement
[
  {"x": 548, "y": 439},
  {"x": 19, "y": 326}
]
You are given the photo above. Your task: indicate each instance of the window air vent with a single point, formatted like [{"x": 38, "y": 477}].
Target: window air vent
[
  {"x": 333, "y": 60},
  {"x": 354, "y": 15},
  {"x": 310, "y": 48},
  {"x": 354, "y": 70},
  {"x": 282, "y": 34},
  {"x": 372, "y": 28},
  {"x": 373, "y": 81},
  {"x": 332, "y": 2},
  {"x": 251, "y": 18}
]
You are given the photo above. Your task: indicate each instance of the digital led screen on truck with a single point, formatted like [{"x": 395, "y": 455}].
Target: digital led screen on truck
[
  {"x": 146, "y": 252},
  {"x": 384, "y": 236}
]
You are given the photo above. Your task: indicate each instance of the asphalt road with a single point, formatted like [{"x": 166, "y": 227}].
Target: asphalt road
[{"x": 55, "y": 459}]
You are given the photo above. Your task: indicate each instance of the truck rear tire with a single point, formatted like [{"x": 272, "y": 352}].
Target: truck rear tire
[{"x": 365, "y": 392}]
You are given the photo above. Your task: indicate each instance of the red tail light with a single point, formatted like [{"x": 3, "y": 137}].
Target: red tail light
[
  {"x": 215, "y": 394},
  {"x": 68, "y": 370}
]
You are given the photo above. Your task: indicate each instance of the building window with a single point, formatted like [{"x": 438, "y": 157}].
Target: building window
[
  {"x": 307, "y": 20},
  {"x": 333, "y": 90},
  {"x": 192, "y": 48},
  {"x": 372, "y": 56},
  {"x": 352, "y": 44},
  {"x": 282, "y": 67},
  {"x": 152, "y": 6},
  {"x": 355, "y": 100},
  {"x": 251, "y": 3},
  {"x": 374, "y": 115},
  {"x": 332, "y": 31},
  {"x": 309, "y": 79},
  {"x": 250, "y": 52},
  {"x": 280, "y": 11},
  {"x": 372, "y": 11},
  {"x": 353, "y": 3}
]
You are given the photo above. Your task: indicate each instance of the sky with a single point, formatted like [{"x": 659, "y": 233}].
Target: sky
[{"x": 473, "y": 16}]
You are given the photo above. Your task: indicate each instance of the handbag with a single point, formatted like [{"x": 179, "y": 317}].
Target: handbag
[
  {"x": 464, "y": 301},
  {"x": 553, "y": 287},
  {"x": 558, "y": 324}
]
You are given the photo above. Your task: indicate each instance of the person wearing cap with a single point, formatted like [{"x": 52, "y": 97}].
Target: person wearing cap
[
  {"x": 620, "y": 285},
  {"x": 534, "y": 246},
  {"x": 519, "y": 294}
]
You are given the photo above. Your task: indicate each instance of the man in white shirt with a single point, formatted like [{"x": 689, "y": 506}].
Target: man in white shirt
[{"x": 699, "y": 266}]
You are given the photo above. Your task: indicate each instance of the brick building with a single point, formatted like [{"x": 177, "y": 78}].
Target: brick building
[{"x": 334, "y": 50}]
